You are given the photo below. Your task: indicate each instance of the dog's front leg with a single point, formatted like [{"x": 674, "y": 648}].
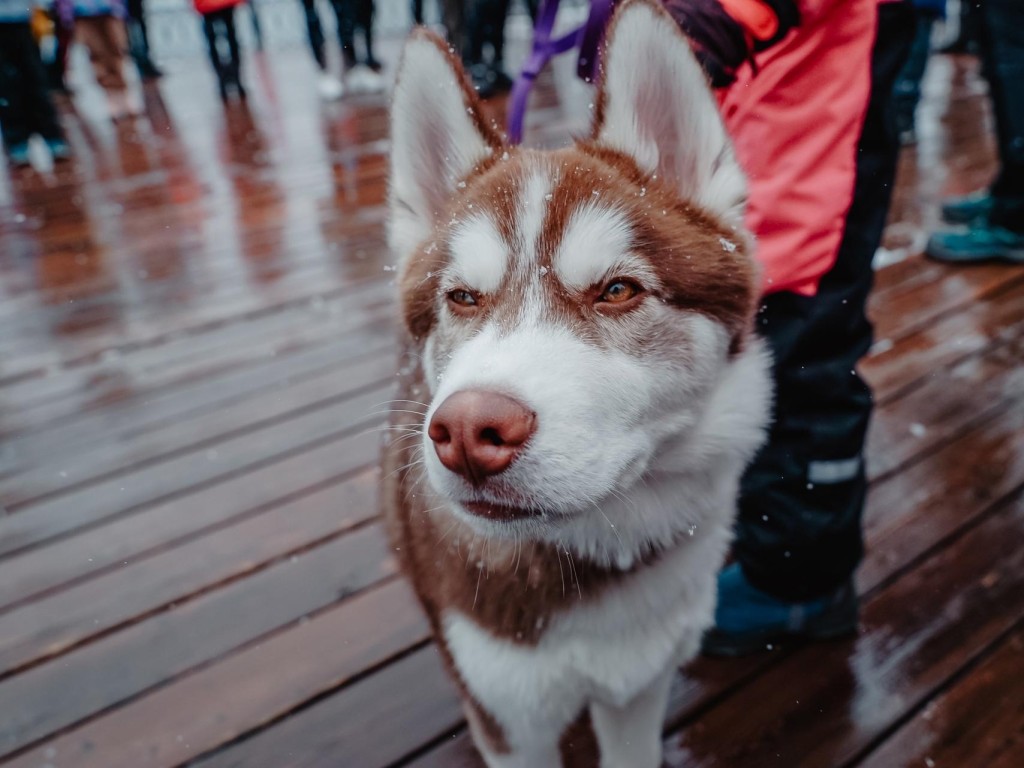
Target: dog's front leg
[
  {"x": 538, "y": 750},
  {"x": 629, "y": 736}
]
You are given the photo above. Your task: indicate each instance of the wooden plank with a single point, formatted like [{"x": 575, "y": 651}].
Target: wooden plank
[
  {"x": 895, "y": 366},
  {"x": 187, "y": 358},
  {"x": 50, "y": 697},
  {"x": 231, "y": 464},
  {"x": 133, "y": 417},
  {"x": 979, "y": 721},
  {"x": 944, "y": 406},
  {"x": 374, "y": 723},
  {"x": 916, "y": 634},
  {"x": 53, "y": 624},
  {"x": 201, "y": 711},
  {"x": 238, "y": 415}
]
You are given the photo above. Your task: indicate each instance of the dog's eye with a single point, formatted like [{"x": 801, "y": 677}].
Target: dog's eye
[
  {"x": 462, "y": 298},
  {"x": 619, "y": 291}
]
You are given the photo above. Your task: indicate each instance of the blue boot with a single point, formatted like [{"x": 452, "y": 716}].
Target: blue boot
[{"x": 748, "y": 620}]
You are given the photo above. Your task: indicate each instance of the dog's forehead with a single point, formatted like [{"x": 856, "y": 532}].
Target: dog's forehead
[{"x": 563, "y": 210}]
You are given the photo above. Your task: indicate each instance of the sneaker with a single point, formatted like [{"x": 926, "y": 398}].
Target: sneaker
[
  {"x": 59, "y": 149},
  {"x": 982, "y": 242},
  {"x": 964, "y": 210},
  {"x": 330, "y": 87},
  {"x": 748, "y": 620},
  {"x": 18, "y": 155},
  {"x": 362, "y": 79}
]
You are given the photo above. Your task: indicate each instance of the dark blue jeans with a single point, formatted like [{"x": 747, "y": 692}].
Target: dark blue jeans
[{"x": 1002, "y": 50}]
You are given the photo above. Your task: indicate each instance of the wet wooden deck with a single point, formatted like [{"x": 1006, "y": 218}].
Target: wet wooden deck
[{"x": 197, "y": 334}]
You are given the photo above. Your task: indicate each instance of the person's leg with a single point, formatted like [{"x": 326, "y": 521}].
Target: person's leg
[
  {"x": 344, "y": 10},
  {"x": 908, "y": 84},
  {"x": 799, "y": 528},
  {"x": 39, "y": 110},
  {"x": 14, "y": 118},
  {"x": 138, "y": 40},
  {"x": 1003, "y": 52},
  {"x": 417, "y": 11},
  {"x": 234, "y": 53},
  {"x": 364, "y": 20},
  {"x": 315, "y": 33},
  {"x": 996, "y": 217},
  {"x": 211, "y": 30}
]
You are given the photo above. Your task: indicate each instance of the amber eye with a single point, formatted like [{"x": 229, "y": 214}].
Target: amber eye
[
  {"x": 462, "y": 298},
  {"x": 619, "y": 291}
]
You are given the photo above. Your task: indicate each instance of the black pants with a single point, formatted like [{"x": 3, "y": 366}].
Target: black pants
[
  {"x": 353, "y": 16},
  {"x": 217, "y": 25},
  {"x": 315, "y": 32},
  {"x": 799, "y": 531},
  {"x": 25, "y": 106},
  {"x": 138, "y": 34},
  {"x": 1002, "y": 54}
]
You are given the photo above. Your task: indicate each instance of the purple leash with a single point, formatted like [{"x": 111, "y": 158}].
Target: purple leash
[{"x": 587, "y": 37}]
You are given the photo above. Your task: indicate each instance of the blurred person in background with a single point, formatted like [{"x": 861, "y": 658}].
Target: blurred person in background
[
  {"x": 138, "y": 41},
  {"x": 219, "y": 27},
  {"x": 99, "y": 26},
  {"x": 362, "y": 69},
  {"x": 25, "y": 106},
  {"x": 994, "y": 216},
  {"x": 908, "y": 84}
]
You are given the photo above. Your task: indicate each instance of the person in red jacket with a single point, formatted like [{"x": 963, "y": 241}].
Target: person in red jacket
[
  {"x": 219, "y": 24},
  {"x": 806, "y": 93}
]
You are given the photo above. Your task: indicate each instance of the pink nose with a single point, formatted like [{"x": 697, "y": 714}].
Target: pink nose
[{"x": 478, "y": 434}]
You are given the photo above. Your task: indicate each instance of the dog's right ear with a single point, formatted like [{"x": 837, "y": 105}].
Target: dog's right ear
[{"x": 438, "y": 135}]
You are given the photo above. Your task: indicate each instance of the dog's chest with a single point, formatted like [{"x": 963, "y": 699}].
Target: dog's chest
[{"x": 607, "y": 648}]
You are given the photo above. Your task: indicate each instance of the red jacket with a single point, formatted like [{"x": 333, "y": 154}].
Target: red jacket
[
  {"x": 209, "y": 6},
  {"x": 795, "y": 120}
]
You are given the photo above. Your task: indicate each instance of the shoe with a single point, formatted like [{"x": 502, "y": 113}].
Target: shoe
[
  {"x": 59, "y": 149},
  {"x": 18, "y": 156},
  {"x": 982, "y": 242},
  {"x": 748, "y": 620},
  {"x": 330, "y": 87},
  {"x": 375, "y": 65},
  {"x": 362, "y": 79},
  {"x": 964, "y": 210}
]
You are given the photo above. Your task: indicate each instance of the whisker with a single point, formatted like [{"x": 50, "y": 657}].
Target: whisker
[
  {"x": 407, "y": 466},
  {"x": 558, "y": 556},
  {"x": 575, "y": 576}
]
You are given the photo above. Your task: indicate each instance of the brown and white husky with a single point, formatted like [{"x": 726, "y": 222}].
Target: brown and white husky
[{"x": 581, "y": 391}]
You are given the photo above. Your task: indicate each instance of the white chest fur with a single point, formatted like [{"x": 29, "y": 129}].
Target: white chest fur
[{"x": 608, "y": 649}]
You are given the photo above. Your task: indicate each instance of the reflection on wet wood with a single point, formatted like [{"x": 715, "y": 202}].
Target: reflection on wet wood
[{"x": 198, "y": 338}]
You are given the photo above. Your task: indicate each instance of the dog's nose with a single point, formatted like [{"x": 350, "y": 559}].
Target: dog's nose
[{"x": 478, "y": 434}]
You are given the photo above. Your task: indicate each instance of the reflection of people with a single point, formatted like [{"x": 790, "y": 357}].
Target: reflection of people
[
  {"x": 328, "y": 85},
  {"x": 219, "y": 27},
  {"x": 995, "y": 217},
  {"x": 25, "y": 106},
  {"x": 138, "y": 41},
  {"x": 812, "y": 127},
  {"x": 99, "y": 25}
]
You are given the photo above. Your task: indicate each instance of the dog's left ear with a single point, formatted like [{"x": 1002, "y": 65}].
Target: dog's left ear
[
  {"x": 438, "y": 136},
  {"x": 656, "y": 106}
]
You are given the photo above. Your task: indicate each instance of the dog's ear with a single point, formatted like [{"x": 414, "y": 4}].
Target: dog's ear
[
  {"x": 655, "y": 105},
  {"x": 438, "y": 136}
]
